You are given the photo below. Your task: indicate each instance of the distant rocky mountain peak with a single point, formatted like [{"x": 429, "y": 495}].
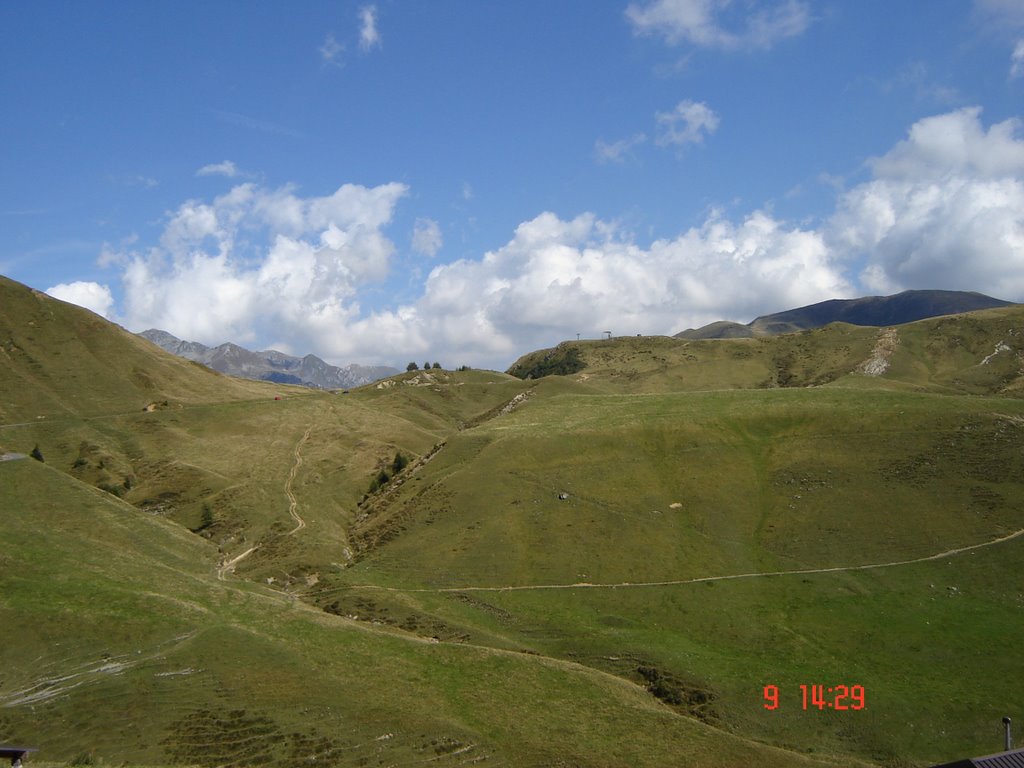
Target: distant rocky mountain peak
[{"x": 269, "y": 365}]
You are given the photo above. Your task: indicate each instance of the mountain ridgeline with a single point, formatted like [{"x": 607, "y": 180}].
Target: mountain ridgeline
[
  {"x": 900, "y": 308},
  {"x": 613, "y": 566},
  {"x": 835, "y": 341},
  {"x": 269, "y": 365}
]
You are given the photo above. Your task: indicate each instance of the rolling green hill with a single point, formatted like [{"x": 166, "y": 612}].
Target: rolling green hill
[
  {"x": 601, "y": 568},
  {"x": 974, "y": 353}
]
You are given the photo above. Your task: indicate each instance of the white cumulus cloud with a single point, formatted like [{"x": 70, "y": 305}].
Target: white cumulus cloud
[
  {"x": 559, "y": 277},
  {"x": 92, "y": 296},
  {"x": 955, "y": 143},
  {"x": 945, "y": 209},
  {"x": 721, "y": 23},
  {"x": 209, "y": 282}
]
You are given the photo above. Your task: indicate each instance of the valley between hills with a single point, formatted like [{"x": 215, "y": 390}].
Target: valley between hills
[{"x": 605, "y": 566}]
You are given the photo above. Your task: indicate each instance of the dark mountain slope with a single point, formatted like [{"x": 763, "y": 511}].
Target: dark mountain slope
[{"x": 900, "y": 308}]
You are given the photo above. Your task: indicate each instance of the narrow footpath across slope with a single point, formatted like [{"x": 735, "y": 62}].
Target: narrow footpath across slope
[{"x": 698, "y": 580}]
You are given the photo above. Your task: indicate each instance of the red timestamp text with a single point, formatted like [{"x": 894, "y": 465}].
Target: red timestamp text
[{"x": 837, "y": 697}]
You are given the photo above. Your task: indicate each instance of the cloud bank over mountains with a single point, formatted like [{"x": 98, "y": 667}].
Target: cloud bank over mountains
[{"x": 944, "y": 208}]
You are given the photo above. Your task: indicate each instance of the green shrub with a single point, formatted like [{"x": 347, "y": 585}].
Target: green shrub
[
  {"x": 560, "y": 361},
  {"x": 379, "y": 481},
  {"x": 113, "y": 490}
]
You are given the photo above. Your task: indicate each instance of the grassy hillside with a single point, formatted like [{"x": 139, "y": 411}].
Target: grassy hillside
[
  {"x": 57, "y": 359},
  {"x": 603, "y": 568},
  {"x": 128, "y": 647},
  {"x": 974, "y": 353},
  {"x": 665, "y": 491},
  {"x": 122, "y": 644}
]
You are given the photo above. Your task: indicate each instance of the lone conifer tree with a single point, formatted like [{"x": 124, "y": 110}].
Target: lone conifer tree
[{"x": 399, "y": 463}]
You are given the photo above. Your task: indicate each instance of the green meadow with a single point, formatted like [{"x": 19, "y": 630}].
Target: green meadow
[{"x": 602, "y": 567}]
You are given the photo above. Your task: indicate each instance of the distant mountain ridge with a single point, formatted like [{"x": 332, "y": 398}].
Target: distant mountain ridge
[
  {"x": 269, "y": 365},
  {"x": 905, "y": 307}
]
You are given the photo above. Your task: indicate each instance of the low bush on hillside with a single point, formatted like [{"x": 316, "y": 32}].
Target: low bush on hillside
[
  {"x": 673, "y": 691},
  {"x": 560, "y": 361},
  {"x": 113, "y": 490}
]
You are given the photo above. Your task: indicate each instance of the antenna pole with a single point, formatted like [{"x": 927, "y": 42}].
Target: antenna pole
[{"x": 1008, "y": 742}]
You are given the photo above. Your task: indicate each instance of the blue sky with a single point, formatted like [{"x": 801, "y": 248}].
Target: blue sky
[{"x": 387, "y": 181}]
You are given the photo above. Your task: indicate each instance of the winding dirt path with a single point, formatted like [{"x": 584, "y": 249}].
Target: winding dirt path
[
  {"x": 699, "y": 580},
  {"x": 293, "y": 504},
  {"x": 293, "y": 509}
]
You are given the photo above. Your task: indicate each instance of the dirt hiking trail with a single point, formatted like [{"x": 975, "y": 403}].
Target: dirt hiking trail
[
  {"x": 293, "y": 504},
  {"x": 699, "y": 580},
  {"x": 293, "y": 508}
]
